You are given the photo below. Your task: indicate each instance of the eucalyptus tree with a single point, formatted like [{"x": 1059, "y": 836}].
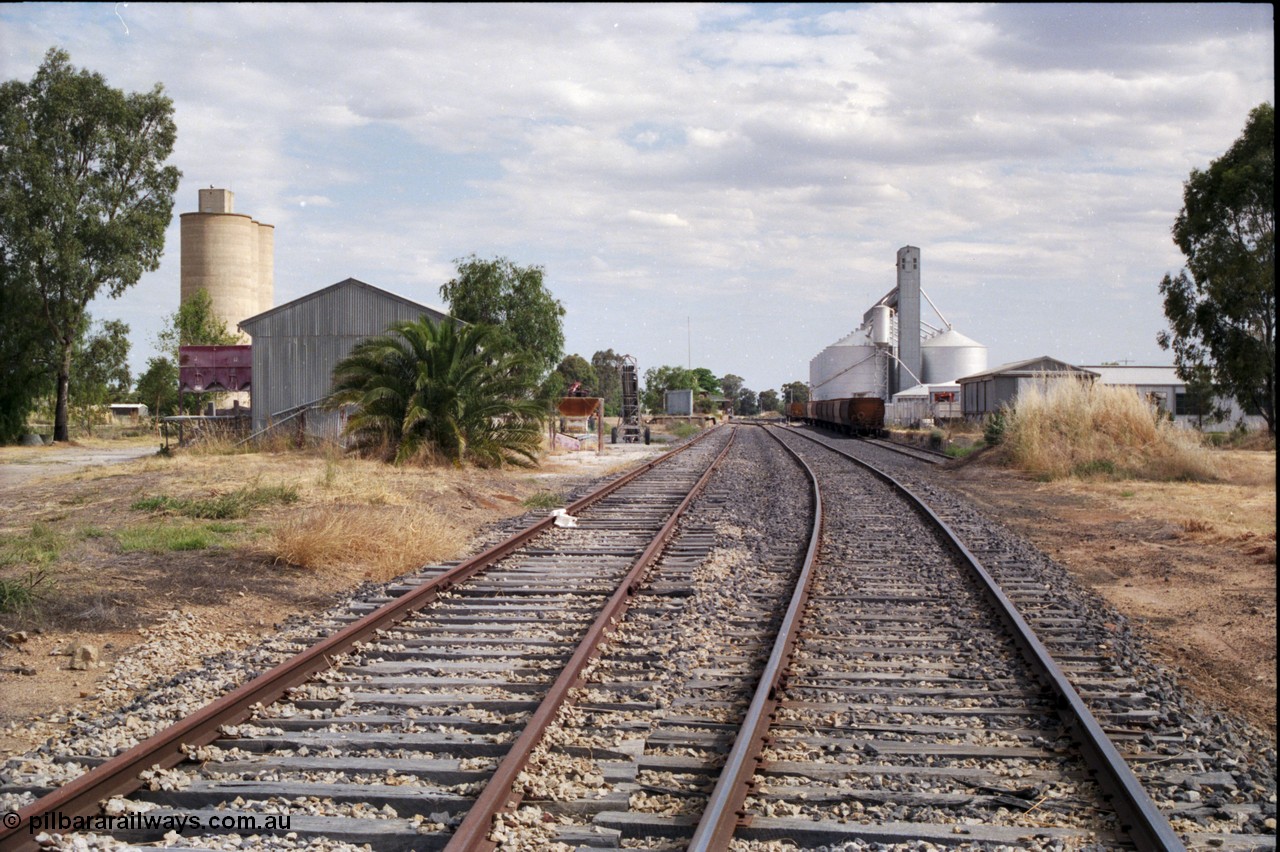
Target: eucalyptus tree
[
  {"x": 1223, "y": 313},
  {"x": 101, "y": 374},
  {"x": 85, "y": 198},
  {"x": 515, "y": 298}
]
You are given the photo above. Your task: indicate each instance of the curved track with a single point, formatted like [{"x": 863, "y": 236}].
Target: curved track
[
  {"x": 805, "y": 655},
  {"x": 902, "y": 674}
]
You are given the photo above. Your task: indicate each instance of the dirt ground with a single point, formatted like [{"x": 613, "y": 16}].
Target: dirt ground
[
  {"x": 1195, "y": 562},
  {"x": 95, "y": 593}
]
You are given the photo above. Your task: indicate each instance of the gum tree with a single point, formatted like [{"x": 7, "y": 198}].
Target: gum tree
[
  {"x": 85, "y": 197},
  {"x": 1222, "y": 307},
  {"x": 514, "y": 299}
]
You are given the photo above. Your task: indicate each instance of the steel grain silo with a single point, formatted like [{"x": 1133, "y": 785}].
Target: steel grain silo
[
  {"x": 950, "y": 355},
  {"x": 849, "y": 367}
]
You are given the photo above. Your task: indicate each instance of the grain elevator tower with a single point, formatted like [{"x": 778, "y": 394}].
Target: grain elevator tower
[
  {"x": 908, "y": 317},
  {"x": 230, "y": 255}
]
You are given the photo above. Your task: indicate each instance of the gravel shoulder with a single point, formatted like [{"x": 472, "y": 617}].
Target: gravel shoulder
[{"x": 1193, "y": 564}]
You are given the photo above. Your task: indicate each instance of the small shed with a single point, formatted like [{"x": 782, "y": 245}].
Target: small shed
[
  {"x": 984, "y": 393},
  {"x": 128, "y": 413},
  {"x": 679, "y": 403},
  {"x": 296, "y": 346},
  {"x": 916, "y": 405}
]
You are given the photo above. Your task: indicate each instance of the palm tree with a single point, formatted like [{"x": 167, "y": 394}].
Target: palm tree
[{"x": 438, "y": 389}]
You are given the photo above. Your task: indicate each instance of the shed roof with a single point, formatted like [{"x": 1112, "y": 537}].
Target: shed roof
[
  {"x": 1134, "y": 374},
  {"x": 1030, "y": 368},
  {"x": 324, "y": 291}
]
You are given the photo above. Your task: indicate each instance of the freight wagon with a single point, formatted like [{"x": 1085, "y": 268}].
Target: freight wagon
[{"x": 862, "y": 415}]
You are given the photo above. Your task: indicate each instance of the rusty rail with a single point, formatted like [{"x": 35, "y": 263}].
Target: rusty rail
[
  {"x": 1139, "y": 816},
  {"x": 720, "y": 817},
  {"x": 498, "y": 795},
  {"x": 119, "y": 776}
]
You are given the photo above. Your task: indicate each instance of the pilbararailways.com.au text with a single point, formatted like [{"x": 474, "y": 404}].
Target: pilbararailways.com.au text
[{"x": 181, "y": 823}]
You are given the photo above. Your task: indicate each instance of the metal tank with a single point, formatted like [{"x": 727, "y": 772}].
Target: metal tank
[
  {"x": 881, "y": 325},
  {"x": 230, "y": 256},
  {"x": 950, "y": 355},
  {"x": 849, "y": 367}
]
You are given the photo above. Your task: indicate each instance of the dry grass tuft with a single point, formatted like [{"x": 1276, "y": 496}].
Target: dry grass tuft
[
  {"x": 1068, "y": 428},
  {"x": 388, "y": 540}
]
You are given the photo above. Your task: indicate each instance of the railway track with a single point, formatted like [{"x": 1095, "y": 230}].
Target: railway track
[
  {"x": 920, "y": 453},
  {"x": 1212, "y": 777},
  {"x": 894, "y": 706},
  {"x": 917, "y": 705},
  {"x": 412, "y": 706}
]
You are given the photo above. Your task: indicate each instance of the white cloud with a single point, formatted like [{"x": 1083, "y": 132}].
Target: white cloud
[
  {"x": 662, "y": 220},
  {"x": 670, "y": 161}
]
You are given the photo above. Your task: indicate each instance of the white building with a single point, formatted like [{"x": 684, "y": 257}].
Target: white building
[{"x": 1162, "y": 387}]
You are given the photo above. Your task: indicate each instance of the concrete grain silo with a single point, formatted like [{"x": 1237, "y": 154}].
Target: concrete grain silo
[{"x": 230, "y": 255}]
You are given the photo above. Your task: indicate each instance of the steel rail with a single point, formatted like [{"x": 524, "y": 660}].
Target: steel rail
[
  {"x": 119, "y": 775},
  {"x": 498, "y": 795},
  {"x": 720, "y": 817},
  {"x": 921, "y": 453},
  {"x": 1146, "y": 825}
]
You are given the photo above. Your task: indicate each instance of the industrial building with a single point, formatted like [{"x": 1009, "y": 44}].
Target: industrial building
[
  {"x": 1168, "y": 393},
  {"x": 898, "y": 357},
  {"x": 229, "y": 255},
  {"x": 296, "y": 346},
  {"x": 986, "y": 392}
]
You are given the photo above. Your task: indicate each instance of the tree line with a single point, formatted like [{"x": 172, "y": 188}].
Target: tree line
[
  {"x": 86, "y": 194},
  {"x": 601, "y": 377}
]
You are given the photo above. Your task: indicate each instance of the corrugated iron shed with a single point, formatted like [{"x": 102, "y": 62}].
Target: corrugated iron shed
[
  {"x": 984, "y": 393},
  {"x": 296, "y": 346}
]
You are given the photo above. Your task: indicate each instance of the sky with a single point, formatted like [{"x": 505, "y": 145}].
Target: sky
[{"x": 723, "y": 186}]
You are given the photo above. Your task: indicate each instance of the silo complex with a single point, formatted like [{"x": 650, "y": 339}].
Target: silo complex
[
  {"x": 894, "y": 350},
  {"x": 230, "y": 255}
]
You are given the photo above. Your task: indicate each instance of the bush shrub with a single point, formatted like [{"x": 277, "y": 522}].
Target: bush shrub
[{"x": 1060, "y": 428}]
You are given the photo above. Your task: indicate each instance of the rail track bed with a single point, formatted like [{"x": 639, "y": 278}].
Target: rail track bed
[
  {"x": 588, "y": 690},
  {"x": 908, "y": 712},
  {"x": 1213, "y": 777},
  {"x": 415, "y": 718}
]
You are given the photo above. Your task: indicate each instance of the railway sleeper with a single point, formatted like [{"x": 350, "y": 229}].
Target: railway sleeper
[{"x": 385, "y": 835}]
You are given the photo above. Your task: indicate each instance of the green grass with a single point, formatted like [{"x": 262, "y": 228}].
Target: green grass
[
  {"x": 682, "y": 430},
  {"x": 957, "y": 452},
  {"x": 542, "y": 500},
  {"x": 224, "y": 529},
  {"x": 167, "y": 538},
  {"x": 234, "y": 504},
  {"x": 1095, "y": 469},
  {"x": 23, "y": 593},
  {"x": 35, "y": 549}
]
